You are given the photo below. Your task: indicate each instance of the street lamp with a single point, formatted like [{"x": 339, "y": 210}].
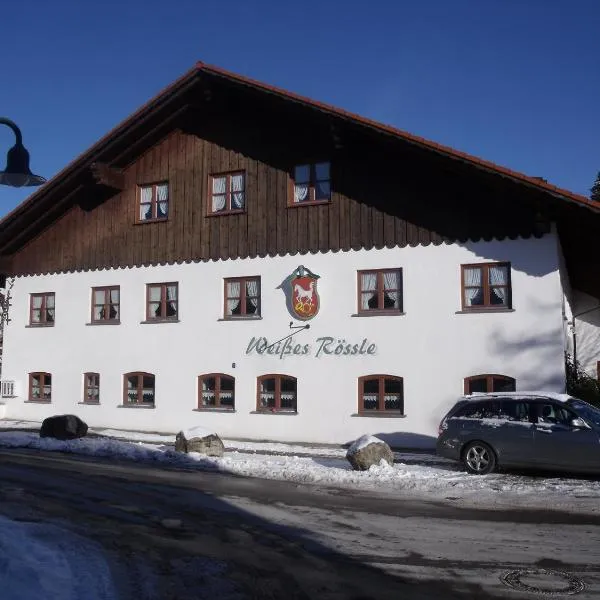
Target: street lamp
[{"x": 17, "y": 172}]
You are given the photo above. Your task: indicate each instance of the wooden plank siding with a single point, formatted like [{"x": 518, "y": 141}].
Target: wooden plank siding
[{"x": 377, "y": 201}]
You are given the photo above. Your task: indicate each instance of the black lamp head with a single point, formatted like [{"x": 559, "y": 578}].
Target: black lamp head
[{"x": 17, "y": 172}]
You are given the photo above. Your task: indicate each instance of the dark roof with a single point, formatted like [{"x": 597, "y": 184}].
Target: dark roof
[{"x": 185, "y": 82}]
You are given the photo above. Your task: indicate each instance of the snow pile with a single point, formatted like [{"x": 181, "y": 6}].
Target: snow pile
[
  {"x": 363, "y": 442},
  {"x": 45, "y": 561},
  {"x": 425, "y": 473},
  {"x": 197, "y": 432}
]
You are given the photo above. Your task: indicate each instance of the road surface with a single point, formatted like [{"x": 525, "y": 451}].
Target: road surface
[{"x": 177, "y": 533}]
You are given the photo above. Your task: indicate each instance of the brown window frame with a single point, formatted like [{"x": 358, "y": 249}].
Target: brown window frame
[
  {"x": 106, "y": 304},
  {"x": 312, "y": 184},
  {"x": 380, "y": 292},
  {"x": 486, "y": 287},
  {"x": 140, "y": 389},
  {"x": 277, "y": 408},
  {"x": 489, "y": 377},
  {"x": 43, "y": 322},
  {"x": 381, "y": 378},
  {"x": 243, "y": 308},
  {"x": 154, "y": 218},
  {"x": 217, "y": 377},
  {"x": 163, "y": 302},
  {"x": 43, "y": 375},
  {"x": 87, "y": 387},
  {"x": 228, "y": 210}
]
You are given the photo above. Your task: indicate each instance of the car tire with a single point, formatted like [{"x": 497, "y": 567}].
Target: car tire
[{"x": 479, "y": 458}]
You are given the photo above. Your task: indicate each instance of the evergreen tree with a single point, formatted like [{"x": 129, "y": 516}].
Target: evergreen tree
[{"x": 595, "y": 195}]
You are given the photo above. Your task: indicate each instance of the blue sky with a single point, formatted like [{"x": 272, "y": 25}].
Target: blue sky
[{"x": 516, "y": 82}]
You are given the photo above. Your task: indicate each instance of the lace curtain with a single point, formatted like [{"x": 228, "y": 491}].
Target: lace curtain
[
  {"x": 472, "y": 281},
  {"x": 219, "y": 193},
  {"x": 252, "y": 295},
  {"x": 233, "y": 297},
  {"x": 368, "y": 286},
  {"x": 146, "y": 203},
  {"x": 162, "y": 196},
  {"x": 171, "y": 301},
  {"x": 498, "y": 277},
  {"x": 391, "y": 285},
  {"x": 237, "y": 191}
]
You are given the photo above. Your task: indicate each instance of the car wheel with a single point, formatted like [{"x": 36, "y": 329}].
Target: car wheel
[{"x": 479, "y": 458}]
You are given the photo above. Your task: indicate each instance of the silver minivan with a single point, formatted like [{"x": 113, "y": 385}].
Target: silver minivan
[{"x": 522, "y": 429}]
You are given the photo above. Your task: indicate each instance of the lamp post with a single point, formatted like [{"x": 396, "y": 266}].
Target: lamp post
[{"x": 17, "y": 172}]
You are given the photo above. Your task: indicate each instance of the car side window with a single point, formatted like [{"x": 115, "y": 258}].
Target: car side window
[
  {"x": 555, "y": 414},
  {"x": 517, "y": 410},
  {"x": 488, "y": 409}
]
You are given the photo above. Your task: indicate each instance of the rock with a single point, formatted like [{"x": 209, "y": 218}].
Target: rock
[
  {"x": 63, "y": 427},
  {"x": 367, "y": 451},
  {"x": 201, "y": 440}
]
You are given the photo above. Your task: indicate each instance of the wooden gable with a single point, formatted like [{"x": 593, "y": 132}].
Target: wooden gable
[{"x": 388, "y": 191}]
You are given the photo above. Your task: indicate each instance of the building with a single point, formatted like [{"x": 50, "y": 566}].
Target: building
[{"x": 237, "y": 256}]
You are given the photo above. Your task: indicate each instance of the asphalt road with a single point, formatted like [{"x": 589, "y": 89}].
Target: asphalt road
[{"x": 176, "y": 533}]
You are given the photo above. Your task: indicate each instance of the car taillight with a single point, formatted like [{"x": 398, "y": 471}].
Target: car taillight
[{"x": 442, "y": 427}]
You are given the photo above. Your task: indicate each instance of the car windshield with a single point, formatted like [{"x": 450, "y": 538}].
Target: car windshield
[{"x": 587, "y": 411}]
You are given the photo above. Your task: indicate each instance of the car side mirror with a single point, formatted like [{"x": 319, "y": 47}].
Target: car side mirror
[{"x": 579, "y": 423}]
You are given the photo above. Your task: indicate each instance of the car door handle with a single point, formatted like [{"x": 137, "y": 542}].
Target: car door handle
[{"x": 543, "y": 430}]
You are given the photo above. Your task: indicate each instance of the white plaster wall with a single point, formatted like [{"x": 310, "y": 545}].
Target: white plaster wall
[{"x": 431, "y": 346}]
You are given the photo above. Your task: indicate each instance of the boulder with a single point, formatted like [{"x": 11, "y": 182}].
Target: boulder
[
  {"x": 201, "y": 440},
  {"x": 367, "y": 451},
  {"x": 63, "y": 427}
]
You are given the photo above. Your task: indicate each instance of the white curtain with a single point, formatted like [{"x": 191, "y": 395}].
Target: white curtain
[
  {"x": 252, "y": 292},
  {"x": 155, "y": 298},
  {"x": 99, "y": 299},
  {"x": 472, "y": 284},
  {"x": 162, "y": 194},
  {"x": 219, "y": 193},
  {"x": 172, "y": 300},
  {"x": 233, "y": 296},
  {"x": 50, "y": 308},
  {"x": 36, "y": 305},
  {"x": 368, "y": 283},
  {"x": 499, "y": 276},
  {"x": 146, "y": 203},
  {"x": 114, "y": 304},
  {"x": 391, "y": 285},
  {"x": 237, "y": 191},
  {"x": 300, "y": 192}
]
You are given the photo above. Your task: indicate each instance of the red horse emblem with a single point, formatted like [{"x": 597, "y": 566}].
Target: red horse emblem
[{"x": 305, "y": 298}]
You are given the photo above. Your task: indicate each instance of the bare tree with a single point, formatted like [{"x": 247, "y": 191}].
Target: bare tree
[{"x": 5, "y": 297}]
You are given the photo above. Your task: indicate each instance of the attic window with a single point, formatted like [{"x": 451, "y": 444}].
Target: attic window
[
  {"x": 153, "y": 202},
  {"x": 227, "y": 193},
  {"x": 310, "y": 184}
]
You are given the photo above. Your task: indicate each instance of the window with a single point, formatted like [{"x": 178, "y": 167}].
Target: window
[
  {"x": 216, "y": 391},
  {"x": 154, "y": 202},
  {"x": 489, "y": 383},
  {"x": 161, "y": 301},
  {"x": 498, "y": 408},
  {"x": 40, "y": 387},
  {"x": 105, "y": 304},
  {"x": 42, "y": 309},
  {"x": 486, "y": 285},
  {"x": 227, "y": 192},
  {"x": 311, "y": 183},
  {"x": 555, "y": 414},
  {"x": 138, "y": 389},
  {"x": 380, "y": 290},
  {"x": 380, "y": 394},
  {"x": 91, "y": 388},
  {"x": 242, "y": 297},
  {"x": 277, "y": 393}
]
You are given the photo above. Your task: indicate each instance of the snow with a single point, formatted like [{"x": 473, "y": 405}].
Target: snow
[
  {"x": 197, "y": 432},
  {"x": 45, "y": 561},
  {"x": 524, "y": 395},
  {"x": 414, "y": 472},
  {"x": 363, "y": 442}
]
